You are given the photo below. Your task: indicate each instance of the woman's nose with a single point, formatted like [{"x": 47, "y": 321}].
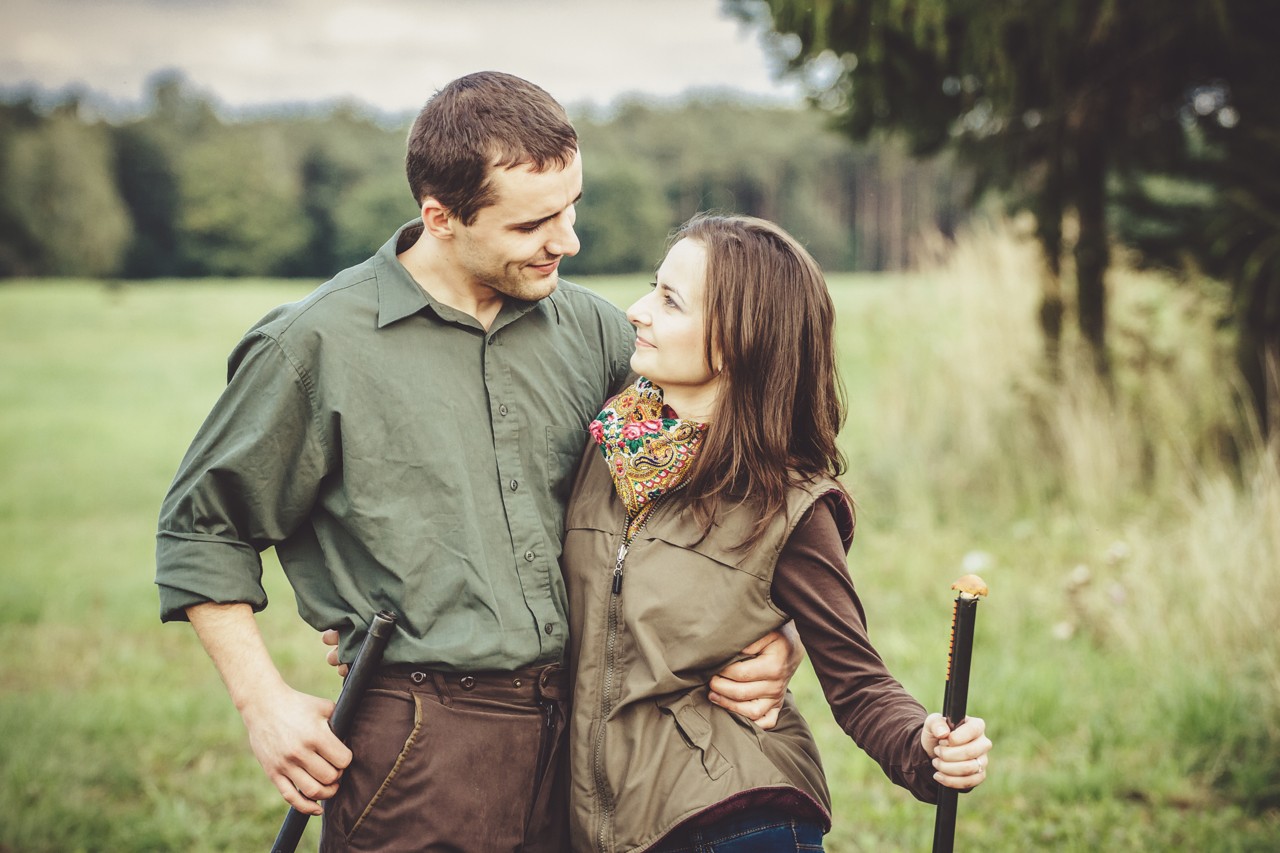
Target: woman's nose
[{"x": 637, "y": 315}]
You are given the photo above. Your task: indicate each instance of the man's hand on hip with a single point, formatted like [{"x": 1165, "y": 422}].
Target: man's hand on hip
[
  {"x": 755, "y": 687},
  {"x": 290, "y": 736},
  {"x": 288, "y": 731}
]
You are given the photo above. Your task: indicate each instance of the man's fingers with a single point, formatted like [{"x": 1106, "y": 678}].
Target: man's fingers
[
  {"x": 752, "y": 709},
  {"x": 337, "y": 756},
  {"x": 769, "y": 720},
  {"x": 314, "y": 775},
  {"x": 740, "y": 684},
  {"x": 762, "y": 712},
  {"x": 312, "y": 788},
  {"x": 326, "y": 756},
  {"x": 770, "y": 659},
  {"x": 330, "y": 638},
  {"x": 295, "y": 798},
  {"x": 758, "y": 646}
]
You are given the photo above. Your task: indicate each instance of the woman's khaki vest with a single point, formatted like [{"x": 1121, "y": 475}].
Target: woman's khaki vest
[{"x": 649, "y": 628}]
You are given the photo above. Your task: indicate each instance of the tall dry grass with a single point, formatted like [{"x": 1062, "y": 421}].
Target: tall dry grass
[{"x": 1144, "y": 512}]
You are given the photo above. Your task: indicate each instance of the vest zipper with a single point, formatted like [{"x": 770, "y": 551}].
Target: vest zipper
[
  {"x": 606, "y": 703},
  {"x": 626, "y": 545},
  {"x": 617, "y": 569}
]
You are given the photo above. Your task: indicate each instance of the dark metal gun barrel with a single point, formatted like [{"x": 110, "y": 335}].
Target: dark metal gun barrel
[
  {"x": 955, "y": 700},
  {"x": 363, "y": 668}
]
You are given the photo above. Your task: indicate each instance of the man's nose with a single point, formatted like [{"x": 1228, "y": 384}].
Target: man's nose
[{"x": 564, "y": 240}]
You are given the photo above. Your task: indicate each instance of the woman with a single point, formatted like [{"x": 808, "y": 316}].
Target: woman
[{"x": 706, "y": 514}]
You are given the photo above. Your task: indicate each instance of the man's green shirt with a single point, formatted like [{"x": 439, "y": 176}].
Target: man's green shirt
[{"x": 399, "y": 457}]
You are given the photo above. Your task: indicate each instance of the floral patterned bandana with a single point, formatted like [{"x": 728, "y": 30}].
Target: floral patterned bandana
[{"x": 647, "y": 446}]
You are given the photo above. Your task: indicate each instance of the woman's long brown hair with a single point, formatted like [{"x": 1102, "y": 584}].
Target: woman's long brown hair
[{"x": 770, "y": 331}]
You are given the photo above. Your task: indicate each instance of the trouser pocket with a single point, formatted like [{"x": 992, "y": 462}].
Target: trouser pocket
[{"x": 427, "y": 776}]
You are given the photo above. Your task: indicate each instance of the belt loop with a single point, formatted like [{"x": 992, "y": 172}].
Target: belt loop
[
  {"x": 548, "y": 687},
  {"x": 442, "y": 688}
]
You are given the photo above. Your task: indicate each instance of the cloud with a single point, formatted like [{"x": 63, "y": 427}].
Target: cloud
[{"x": 388, "y": 53}]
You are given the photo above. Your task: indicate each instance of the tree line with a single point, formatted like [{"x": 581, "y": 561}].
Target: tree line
[
  {"x": 1108, "y": 123},
  {"x": 180, "y": 191}
]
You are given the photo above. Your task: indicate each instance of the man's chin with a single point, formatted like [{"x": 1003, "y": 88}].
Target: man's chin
[{"x": 541, "y": 289}]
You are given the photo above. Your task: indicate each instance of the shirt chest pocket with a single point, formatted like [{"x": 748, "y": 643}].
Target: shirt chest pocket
[{"x": 564, "y": 450}]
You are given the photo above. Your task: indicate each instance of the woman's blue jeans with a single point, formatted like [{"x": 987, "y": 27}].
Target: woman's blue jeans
[{"x": 763, "y": 832}]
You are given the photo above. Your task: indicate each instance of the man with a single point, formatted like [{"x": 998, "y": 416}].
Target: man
[{"x": 405, "y": 437}]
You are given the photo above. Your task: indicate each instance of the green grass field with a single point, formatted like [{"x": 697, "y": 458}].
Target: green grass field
[{"x": 1127, "y": 660}]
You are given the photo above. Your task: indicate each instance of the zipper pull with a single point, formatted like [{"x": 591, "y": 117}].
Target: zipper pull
[{"x": 617, "y": 569}]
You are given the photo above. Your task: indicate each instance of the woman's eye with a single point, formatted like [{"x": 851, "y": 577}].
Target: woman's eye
[{"x": 666, "y": 297}]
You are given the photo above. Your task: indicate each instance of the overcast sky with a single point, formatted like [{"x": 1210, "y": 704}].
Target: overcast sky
[{"x": 388, "y": 53}]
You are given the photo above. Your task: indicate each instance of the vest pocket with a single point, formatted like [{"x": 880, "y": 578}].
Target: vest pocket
[{"x": 695, "y": 731}]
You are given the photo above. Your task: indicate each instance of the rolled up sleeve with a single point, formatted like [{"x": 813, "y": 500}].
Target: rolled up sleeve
[{"x": 248, "y": 481}]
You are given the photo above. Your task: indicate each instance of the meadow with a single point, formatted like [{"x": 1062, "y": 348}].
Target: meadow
[{"x": 1127, "y": 660}]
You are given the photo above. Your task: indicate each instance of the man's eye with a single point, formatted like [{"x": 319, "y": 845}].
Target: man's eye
[{"x": 529, "y": 229}]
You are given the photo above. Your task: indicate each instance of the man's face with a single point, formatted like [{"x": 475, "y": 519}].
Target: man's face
[{"x": 514, "y": 246}]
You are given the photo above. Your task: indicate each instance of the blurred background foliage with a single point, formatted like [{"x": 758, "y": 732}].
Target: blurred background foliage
[
  {"x": 180, "y": 191},
  {"x": 1112, "y": 122},
  {"x": 1063, "y": 386},
  {"x": 1113, "y": 126}
]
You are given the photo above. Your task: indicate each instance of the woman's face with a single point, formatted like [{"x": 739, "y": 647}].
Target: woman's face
[{"x": 670, "y": 330}]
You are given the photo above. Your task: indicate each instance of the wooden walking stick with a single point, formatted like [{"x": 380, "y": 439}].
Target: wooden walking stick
[{"x": 970, "y": 589}]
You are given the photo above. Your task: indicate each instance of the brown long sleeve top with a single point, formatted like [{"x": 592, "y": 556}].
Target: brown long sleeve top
[{"x": 812, "y": 584}]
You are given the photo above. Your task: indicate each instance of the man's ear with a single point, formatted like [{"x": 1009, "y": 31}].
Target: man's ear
[{"x": 436, "y": 219}]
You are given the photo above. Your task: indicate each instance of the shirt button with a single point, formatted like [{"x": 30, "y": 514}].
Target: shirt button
[
  {"x": 502, "y": 410},
  {"x": 528, "y": 555},
  {"x": 548, "y": 628},
  {"x": 515, "y": 484}
]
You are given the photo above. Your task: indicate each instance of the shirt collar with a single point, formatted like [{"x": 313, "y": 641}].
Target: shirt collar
[{"x": 399, "y": 296}]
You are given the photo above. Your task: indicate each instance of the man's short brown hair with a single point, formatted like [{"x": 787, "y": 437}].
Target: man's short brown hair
[{"x": 483, "y": 120}]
